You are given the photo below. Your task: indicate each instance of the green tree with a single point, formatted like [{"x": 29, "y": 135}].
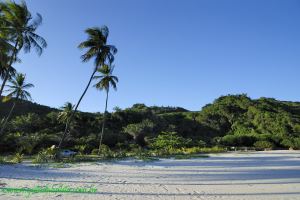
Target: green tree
[
  {"x": 169, "y": 141},
  {"x": 139, "y": 130},
  {"x": 97, "y": 48},
  {"x": 18, "y": 90},
  {"x": 105, "y": 81},
  {"x": 19, "y": 28}
]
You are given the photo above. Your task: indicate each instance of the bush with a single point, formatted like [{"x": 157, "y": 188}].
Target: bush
[
  {"x": 95, "y": 151},
  {"x": 288, "y": 143},
  {"x": 293, "y": 143},
  {"x": 105, "y": 151},
  {"x": 81, "y": 149},
  {"x": 18, "y": 158},
  {"x": 41, "y": 157},
  {"x": 238, "y": 140},
  {"x": 169, "y": 141},
  {"x": 263, "y": 145},
  {"x": 3, "y": 160},
  {"x": 45, "y": 155},
  {"x": 201, "y": 143}
]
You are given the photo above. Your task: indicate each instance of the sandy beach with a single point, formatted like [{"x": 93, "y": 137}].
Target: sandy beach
[{"x": 256, "y": 175}]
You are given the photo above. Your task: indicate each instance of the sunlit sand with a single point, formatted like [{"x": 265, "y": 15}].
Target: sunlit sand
[{"x": 256, "y": 175}]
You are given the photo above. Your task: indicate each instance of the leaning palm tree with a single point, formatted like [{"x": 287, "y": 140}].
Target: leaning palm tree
[
  {"x": 106, "y": 80},
  {"x": 18, "y": 90},
  {"x": 19, "y": 27},
  {"x": 97, "y": 48}
]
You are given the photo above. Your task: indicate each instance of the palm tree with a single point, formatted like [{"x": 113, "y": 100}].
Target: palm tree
[
  {"x": 97, "y": 48},
  {"x": 4, "y": 60},
  {"x": 5, "y": 57},
  {"x": 19, "y": 27},
  {"x": 106, "y": 80},
  {"x": 17, "y": 89},
  {"x": 66, "y": 112}
]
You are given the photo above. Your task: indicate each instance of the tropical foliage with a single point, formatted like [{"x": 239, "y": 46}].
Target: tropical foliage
[
  {"x": 230, "y": 121},
  {"x": 18, "y": 31},
  {"x": 17, "y": 89}
]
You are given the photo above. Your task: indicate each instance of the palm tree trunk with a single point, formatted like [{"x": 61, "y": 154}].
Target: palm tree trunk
[
  {"x": 103, "y": 124},
  {"x": 7, "y": 118},
  {"x": 4, "y": 82},
  {"x": 9, "y": 65},
  {"x": 75, "y": 110}
]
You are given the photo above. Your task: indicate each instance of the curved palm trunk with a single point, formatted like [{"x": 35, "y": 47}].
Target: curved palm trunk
[
  {"x": 7, "y": 118},
  {"x": 7, "y": 71},
  {"x": 75, "y": 110},
  {"x": 103, "y": 125}
]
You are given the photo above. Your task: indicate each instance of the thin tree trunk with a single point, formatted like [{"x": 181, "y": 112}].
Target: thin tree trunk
[
  {"x": 103, "y": 124},
  {"x": 9, "y": 65},
  {"x": 7, "y": 118},
  {"x": 75, "y": 110}
]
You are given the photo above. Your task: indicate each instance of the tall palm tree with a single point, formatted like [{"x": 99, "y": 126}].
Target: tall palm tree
[
  {"x": 106, "y": 80},
  {"x": 19, "y": 27},
  {"x": 18, "y": 90},
  {"x": 97, "y": 48}
]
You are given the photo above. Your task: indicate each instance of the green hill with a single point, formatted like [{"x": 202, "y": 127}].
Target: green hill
[
  {"x": 232, "y": 120},
  {"x": 24, "y": 107}
]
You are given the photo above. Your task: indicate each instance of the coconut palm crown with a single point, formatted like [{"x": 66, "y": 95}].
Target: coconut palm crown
[
  {"x": 21, "y": 26},
  {"x": 66, "y": 112},
  {"x": 107, "y": 80},
  {"x": 18, "y": 87},
  {"x": 97, "y": 46}
]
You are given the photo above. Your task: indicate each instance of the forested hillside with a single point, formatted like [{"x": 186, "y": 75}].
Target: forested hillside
[{"x": 233, "y": 120}]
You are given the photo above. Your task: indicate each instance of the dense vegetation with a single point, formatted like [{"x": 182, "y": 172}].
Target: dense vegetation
[
  {"x": 233, "y": 120},
  {"x": 27, "y": 128}
]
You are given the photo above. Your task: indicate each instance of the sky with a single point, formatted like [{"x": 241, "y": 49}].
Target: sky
[{"x": 170, "y": 52}]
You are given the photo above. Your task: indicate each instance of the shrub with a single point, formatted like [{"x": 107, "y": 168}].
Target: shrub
[
  {"x": 105, "y": 151},
  {"x": 45, "y": 155},
  {"x": 293, "y": 143},
  {"x": 201, "y": 143},
  {"x": 2, "y": 160},
  {"x": 296, "y": 143},
  {"x": 95, "y": 151},
  {"x": 287, "y": 143},
  {"x": 169, "y": 141},
  {"x": 18, "y": 158},
  {"x": 81, "y": 149},
  {"x": 238, "y": 140},
  {"x": 41, "y": 157},
  {"x": 263, "y": 145}
]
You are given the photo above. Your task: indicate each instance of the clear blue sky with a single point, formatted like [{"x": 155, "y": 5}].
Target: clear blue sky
[{"x": 178, "y": 53}]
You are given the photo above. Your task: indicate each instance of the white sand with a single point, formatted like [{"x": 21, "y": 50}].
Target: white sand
[{"x": 258, "y": 175}]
